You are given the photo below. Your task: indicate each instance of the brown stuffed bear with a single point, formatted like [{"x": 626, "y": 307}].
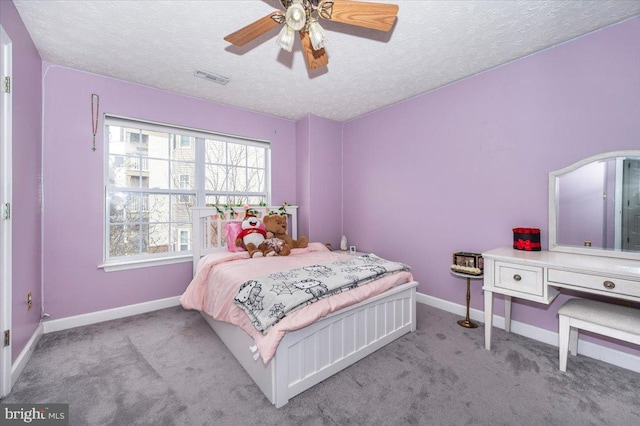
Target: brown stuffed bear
[{"x": 277, "y": 225}]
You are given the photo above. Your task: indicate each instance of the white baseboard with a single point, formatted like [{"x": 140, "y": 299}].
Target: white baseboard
[
  {"x": 589, "y": 349},
  {"x": 24, "y": 357},
  {"x": 109, "y": 314}
]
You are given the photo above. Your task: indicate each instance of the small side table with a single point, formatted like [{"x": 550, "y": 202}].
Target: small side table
[{"x": 466, "y": 322}]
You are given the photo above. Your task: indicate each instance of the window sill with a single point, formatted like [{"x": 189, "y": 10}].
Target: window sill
[{"x": 123, "y": 265}]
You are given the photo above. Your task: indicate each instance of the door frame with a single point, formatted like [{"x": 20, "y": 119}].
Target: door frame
[
  {"x": 6, "y": 185},
  {"x": 629, "y": 200}
]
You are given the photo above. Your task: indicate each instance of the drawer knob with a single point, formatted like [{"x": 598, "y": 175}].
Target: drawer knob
[
  {"x": 517, "y": 277},
  {"x": 608, "y": 284}
]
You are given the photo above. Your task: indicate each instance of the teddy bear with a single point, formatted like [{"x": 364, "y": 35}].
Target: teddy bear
[
  {"x": 252, "y": 237},
  {"x": 276, "y": 226}
]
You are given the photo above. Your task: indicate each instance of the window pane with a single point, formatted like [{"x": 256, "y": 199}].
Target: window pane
[
  {"x": 158, "y": 208},
  {"x": 132, "y": 139},
  {"x": 182, "y": 175},
  {"x": 236, "y": 200},
  {"x": 124, "y": 240},
  {"x": 215, "y": 151},
  {"x": 183, "y": 148},
  {"x": 157, "y": 236},
  {"x": 237, "y": 154},
  {"x": 117, "y": 144},
  {"x": 255, "y": 156},
  {"x": 216, "y": 178},
  {"x": 256, "y": 181},
  {"x": 117, "y": 170},
  {"x": 158, "y": 175},
  {"x": 125, "y": 206},
  {"x": 212, "y": 200},
  {"x": 255, "y": 201},
  {"x": 237, "y": 179},
  {"x": 181, "y": 207},
  {"x": 158, "y": 146}
]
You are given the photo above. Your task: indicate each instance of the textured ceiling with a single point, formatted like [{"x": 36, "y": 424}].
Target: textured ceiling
[{"x": 162, "y": 43}]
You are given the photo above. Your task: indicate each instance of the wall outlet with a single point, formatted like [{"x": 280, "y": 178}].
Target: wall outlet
[{"x": 29, "y": 301}]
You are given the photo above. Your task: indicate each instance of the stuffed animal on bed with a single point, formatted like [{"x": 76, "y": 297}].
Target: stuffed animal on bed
[
  {"x": 279, "y": 247},
  {"x": 276, "y": 225},
  {"x": 252, "y": 237}
]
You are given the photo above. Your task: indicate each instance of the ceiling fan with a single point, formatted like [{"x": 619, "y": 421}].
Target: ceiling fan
[{"x": 302, "y": 16}]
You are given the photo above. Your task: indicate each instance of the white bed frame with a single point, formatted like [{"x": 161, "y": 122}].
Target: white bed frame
[{"x": 310, "y": 355}]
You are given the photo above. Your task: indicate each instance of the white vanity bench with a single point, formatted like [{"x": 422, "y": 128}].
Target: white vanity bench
[{"x": 538, "y": 276}]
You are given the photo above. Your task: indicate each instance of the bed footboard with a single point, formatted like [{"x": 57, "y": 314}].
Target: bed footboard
[{"x": 310, "y": 355}]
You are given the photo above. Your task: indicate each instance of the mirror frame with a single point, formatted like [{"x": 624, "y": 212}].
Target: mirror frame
[{"x": 553, "y": 192}]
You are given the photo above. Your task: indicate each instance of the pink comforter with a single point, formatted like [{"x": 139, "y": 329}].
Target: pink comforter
[{"x": 218, "y": 279}]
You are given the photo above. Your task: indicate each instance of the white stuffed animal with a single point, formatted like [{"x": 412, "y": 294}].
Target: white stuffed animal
[{"x": 252, "y": 237}]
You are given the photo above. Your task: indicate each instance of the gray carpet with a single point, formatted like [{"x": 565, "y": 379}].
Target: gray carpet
[{"x": 169, "y": 368}]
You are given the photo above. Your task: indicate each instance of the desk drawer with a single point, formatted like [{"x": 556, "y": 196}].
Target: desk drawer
[
  {"x": 602, "y": 283},
  {"x": 525, "y": 279}
]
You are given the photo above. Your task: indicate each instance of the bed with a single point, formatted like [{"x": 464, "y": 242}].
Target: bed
[{"x": 311, "y": 343}]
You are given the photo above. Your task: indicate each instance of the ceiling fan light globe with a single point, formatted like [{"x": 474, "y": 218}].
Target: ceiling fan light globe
[
  {"x": 296, "y": 17},
  {"x": 285, "y": 38},
  {"x": 318, "y": 35}
]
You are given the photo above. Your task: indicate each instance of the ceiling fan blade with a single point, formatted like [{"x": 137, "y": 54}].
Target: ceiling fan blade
[
  {"x": 314, "y": 58},
  {"x": 254, "y": 30},
  {"x": 378, "y": 16}
]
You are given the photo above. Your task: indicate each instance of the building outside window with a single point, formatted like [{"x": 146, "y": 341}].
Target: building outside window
[
  {"x": 184, "y": 183},
  {"x": 156, "y": 173},
  {"x": 185, "y": 240}
]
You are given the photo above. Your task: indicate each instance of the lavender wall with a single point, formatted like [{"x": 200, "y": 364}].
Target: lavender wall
[
  {"x": 458, "y": 168},
  {"x": 320, "y": 179},
  {"x": 73, "y": 184},
  {"x": 27, "y": 130},
  {"x": 303, "y": 170}
]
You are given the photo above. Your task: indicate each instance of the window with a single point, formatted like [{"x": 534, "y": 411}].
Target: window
[
  {"x": 184, "y": 184},
  {"x": 185, "y": 239},
  {"x": 156, "y": 173}
]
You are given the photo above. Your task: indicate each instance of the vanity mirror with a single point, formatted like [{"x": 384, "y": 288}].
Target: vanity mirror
[{"x": 594, "y": 206}]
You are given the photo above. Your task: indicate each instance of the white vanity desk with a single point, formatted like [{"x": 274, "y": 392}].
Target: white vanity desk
[{"x": 538, "y": 275}]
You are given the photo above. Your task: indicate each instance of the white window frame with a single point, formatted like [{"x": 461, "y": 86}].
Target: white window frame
[{"x": 199, "y": 192}]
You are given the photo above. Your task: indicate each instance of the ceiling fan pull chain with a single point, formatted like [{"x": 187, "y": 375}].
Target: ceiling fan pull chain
[{"x": 95, "y": 111}]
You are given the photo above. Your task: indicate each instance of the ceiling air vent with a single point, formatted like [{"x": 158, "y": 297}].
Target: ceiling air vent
[{"x": 212, "y": 77}]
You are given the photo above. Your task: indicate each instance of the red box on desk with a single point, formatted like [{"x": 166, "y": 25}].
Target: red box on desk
[{"x": 527, "y": 239}]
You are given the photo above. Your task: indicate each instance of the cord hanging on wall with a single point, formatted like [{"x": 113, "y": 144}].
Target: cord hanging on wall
[{"x": 95, "y": 111}]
